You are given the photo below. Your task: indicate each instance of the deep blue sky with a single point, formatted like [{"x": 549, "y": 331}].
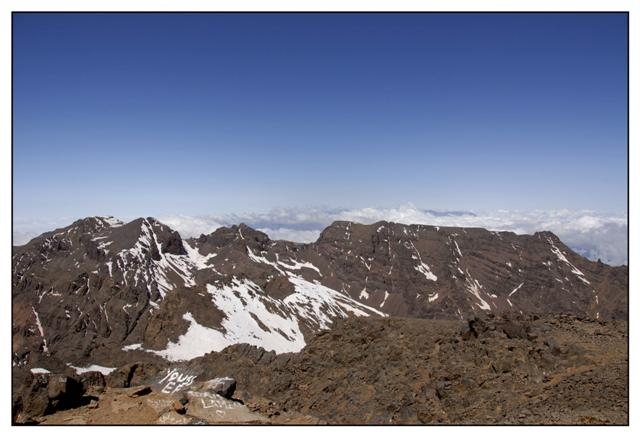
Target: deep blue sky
[{"x": 132, "y": 114}]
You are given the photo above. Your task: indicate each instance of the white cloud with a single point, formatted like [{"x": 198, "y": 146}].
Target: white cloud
[
  {"x": 24, "y": 229},
  {"x": 296, "y": 235},
  {"x": 23, "y": 237},
  {"x": 189, "y": 226},
  {"x": 594, "y": 235}
]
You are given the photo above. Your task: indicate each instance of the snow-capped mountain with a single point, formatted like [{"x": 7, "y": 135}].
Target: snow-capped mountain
[{"x": 103, "y": 289}]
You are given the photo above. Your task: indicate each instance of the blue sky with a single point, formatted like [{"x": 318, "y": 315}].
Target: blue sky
[{"x": 138, "y": 115}]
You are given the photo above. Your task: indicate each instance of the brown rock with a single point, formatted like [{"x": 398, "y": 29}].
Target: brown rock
[
  {"x": 213, "y": 408},
  {"x": 179, "y": 408}
]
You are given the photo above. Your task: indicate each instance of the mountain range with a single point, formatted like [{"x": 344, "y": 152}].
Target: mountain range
[{"x": 107, "y": 292}]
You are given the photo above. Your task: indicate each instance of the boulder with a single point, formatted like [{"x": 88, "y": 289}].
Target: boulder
[
  {"x": 174, "y": 380},
  {"x": 179, "y": 407},
  {"x": 46, "y": 394},
  {"x": 213, "y": 408},
  {"x": 121, "y": 377},
  {"x": 441, "y": 388},
  {"x": 34, "y": 401},
  {"x": 64, "y": 392},
  {"x": 132, "y": 375},
  {"x": 515, "y": 330},
  {"x": 174, "y": 418},
  {"x": 93, "y": 382},
  {"x": 224, "y": 386}
]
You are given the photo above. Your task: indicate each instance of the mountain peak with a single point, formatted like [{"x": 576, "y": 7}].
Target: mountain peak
[{"x": 99, "y": 221}]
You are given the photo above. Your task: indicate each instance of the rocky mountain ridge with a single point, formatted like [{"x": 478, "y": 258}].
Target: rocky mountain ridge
[{"x": 102, "y": 291}]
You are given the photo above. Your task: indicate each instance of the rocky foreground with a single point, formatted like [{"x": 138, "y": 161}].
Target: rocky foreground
[{"x": 512, "y": 369}]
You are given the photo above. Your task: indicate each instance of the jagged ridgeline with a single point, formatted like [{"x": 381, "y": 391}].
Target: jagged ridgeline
[{"x": 105, "y": 291}]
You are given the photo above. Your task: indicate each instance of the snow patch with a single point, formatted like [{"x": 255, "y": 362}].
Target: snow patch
[
  {"x": 243, "y": 302},
  {"x": 261, "y": 259},
  {"x": 199, "y": 261},
  {"x": 92, "y": 368},
  {"x": 296, "y": 265},
  {"x": 364, "y": 294},
  {"x": 105, "y": 244},
  {"x": 292, "y": 264},
  {"x": 247, "y": 320},
  {"x": 457, "y": 248},
  {"x": 423, "y": 268},
  {"x": 474, "y": 287},
  {"x": 426, "y": 271},
  {"x": 253, "y": 317},
  {"x": 197, "y": 341},
  {"x": 368, "y": 266},
  {"x": 386, "y": 296},
  {"x": 564, "y": 259},
  {"x": 320, "y": 305},
  {"x": 45, "y": 349},
  {"x": 112, "y": 221},
  {"x": 515, "y": 289}
]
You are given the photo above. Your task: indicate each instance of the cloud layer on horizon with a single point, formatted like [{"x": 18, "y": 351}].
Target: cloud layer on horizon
[
  {"x": 589, "y": 233},
  {"x": 594, "y": 235}
]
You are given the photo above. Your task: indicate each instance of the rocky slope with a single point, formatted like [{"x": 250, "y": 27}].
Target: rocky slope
[
  {"x": 488, "y": 370},
  {"x": 491, "y": 371},
  {"x": 104, "y": 292},
  {"x": 550, "y": 369}
]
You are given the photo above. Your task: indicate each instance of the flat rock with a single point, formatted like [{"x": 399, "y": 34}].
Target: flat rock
[
  {"x": 173, "y": 418},
  {"x": 224, "y": 387},
  {"x": 213, "y": 408}
]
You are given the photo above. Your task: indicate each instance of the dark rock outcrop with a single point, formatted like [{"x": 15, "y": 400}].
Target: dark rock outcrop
[{"x": 46, "y": 394}]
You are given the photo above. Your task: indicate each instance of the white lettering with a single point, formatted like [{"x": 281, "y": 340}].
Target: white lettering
[{"x": 167, "y": 388}]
